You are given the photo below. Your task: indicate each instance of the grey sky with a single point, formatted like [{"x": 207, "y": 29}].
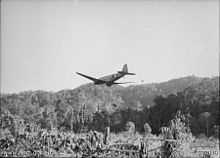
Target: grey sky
[{"x": 44, "y": 42}]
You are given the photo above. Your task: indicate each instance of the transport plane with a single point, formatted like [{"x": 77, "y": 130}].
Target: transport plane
[{"x": 110, "y": 80}]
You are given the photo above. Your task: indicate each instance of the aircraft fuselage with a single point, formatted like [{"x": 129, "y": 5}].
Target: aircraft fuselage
[{"x": 109, "y": 79}]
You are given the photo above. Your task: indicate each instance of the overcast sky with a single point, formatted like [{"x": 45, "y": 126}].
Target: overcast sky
[{"x": 44, "y": 42}]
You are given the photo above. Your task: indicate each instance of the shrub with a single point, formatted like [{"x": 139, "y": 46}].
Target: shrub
[
  {"x": 180, "y": 133},
  {"x": 147, "y": 129},
  {"x": 130, "y": 127}
]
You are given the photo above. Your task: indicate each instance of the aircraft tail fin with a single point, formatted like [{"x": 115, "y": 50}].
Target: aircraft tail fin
[{"x": 125, "y": 70}]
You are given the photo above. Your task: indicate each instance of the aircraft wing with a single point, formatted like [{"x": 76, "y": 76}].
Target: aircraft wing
[
  {"x": 91, "y": 78},
  {"x": 122, "y": 82}
]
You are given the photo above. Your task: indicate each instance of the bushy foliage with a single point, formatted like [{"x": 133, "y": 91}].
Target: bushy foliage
[
  {"x": 130, "y": 128},
  {"x": 153, "y": 103},
  {"x": 180, "y": 133},
  {"x": 147, "y": 129}
]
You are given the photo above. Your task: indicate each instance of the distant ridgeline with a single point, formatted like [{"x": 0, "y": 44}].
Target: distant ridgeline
[{"x": 95, "y": 106}]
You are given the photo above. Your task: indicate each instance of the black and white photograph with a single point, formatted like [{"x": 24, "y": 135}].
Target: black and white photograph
[{"x": 109, "y": 78}]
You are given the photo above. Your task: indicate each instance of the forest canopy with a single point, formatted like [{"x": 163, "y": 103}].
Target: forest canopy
[{"x": 95, "y": 107}]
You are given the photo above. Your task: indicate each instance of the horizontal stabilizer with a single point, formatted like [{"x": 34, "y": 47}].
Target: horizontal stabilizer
[
  {"x": 130, "y": 73},
  {"x": 126, "y": 73}
]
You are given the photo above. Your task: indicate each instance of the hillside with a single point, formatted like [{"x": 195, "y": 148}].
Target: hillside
[
  {"x": 97, "y": 103},
  {"x": 144, "y": 94},
  {"x": 111, "y": 98}
]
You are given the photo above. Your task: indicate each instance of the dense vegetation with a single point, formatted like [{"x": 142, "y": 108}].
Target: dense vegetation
[{"x": 95, "y": 107}]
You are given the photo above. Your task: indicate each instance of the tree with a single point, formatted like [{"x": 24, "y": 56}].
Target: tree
[
  {"x": 205, "y": 117},
  {"x": 147, "y": 129},
  {"x": 130, "y": 128}
]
